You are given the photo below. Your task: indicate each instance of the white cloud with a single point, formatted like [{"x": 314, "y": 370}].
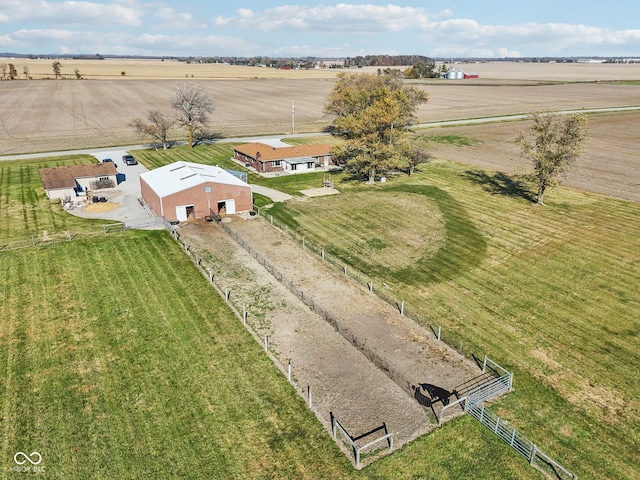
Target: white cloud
[
  {"x": 69, "y": 13},
  {"x": 175, "y": 20},
  {"x": 342, "y": 18},
  {"x": 468, "y": 38}
]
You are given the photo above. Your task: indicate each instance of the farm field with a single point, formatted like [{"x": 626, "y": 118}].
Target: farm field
[
  {"x": 551, "y": 293},
  {"x": 53, "y": 115}
]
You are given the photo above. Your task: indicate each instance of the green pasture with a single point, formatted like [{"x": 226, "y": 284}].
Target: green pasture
[
  {"x": 119, "y": 361},
  {"x": 25, "y": 210},
  {"x": 549, "y": 292}
]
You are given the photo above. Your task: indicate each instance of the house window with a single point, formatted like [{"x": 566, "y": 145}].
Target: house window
[
  {"x": 310, "y": 165},
  {"x": 277, "y": 163},
  {"x": 207, "y": 189},
  {"x": 294, "y": 166},
  {"x": 103, "y": 179}
]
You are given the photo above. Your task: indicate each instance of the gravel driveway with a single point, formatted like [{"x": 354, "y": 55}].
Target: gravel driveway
[{"x": 125, "y": 195}]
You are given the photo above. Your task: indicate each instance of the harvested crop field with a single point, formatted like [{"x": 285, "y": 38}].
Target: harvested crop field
[
  {"x": 49, "y": 115},
  {"x": 611, "y": 165}
]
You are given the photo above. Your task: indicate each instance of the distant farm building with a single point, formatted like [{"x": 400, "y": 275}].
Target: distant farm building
[
  {"x": 296, "y": 159},
  {"x": 458, "y": 75},
  {"x": 184, "y": 190},
  {"x": 76, "y": 180}
]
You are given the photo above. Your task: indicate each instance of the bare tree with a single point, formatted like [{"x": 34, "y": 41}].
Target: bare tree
[
  {"x": 193, "y": 106},
  {"x": 13, "y": 73},
  {"x": 78, "y": 74},
  {"x": 558, "y": 140},
  {"x": 157, "y": 126},
  {"x": 57, "y": 68},
  {"x": 3, "y": 69},
  {"x": 415, "y": 155},
  {"x": 25, "y": 70}
]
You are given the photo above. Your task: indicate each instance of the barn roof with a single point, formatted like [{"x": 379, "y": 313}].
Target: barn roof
[
  {"x": 268, "y": 153},
  {"x": 179, "y": 176},
  {"x": 65, "y": 177}
]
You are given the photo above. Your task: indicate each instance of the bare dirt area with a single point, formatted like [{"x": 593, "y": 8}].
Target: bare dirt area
[
  {"x": 611, "y": 165},
  {"x": 367, "y": 365},
  {"x": 49, "y": 115}
]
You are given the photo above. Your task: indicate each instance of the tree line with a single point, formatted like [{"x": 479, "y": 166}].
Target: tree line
[{"x": 9, "y": 72}]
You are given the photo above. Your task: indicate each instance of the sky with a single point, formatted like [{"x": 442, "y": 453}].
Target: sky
[{"x": 325, "y": 29}]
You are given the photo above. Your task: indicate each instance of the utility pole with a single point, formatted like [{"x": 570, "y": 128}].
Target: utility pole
[{"x": 293, "y": 116}]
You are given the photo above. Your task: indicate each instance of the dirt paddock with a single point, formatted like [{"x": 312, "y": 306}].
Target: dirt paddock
[{"x": 396, "y": 375}]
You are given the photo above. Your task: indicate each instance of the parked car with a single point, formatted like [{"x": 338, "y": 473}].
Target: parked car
[
  {"x": 108, "y": 160},
  {"x": 129, "y": 160}
]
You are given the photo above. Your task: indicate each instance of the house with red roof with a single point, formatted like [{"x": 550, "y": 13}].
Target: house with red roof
[{"x": 294, "y": 159}]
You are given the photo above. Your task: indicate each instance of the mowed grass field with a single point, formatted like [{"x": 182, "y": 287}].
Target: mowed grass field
[
  {"x": 549, "y": 292},
  {"x": 25, "y": 209},
  {"x": 118, "y": 360}
]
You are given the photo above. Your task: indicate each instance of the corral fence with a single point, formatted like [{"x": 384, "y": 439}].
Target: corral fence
[
  {"x": 518, "y": 442},
  {"x": 45, "y": 239},
  {"x": 494, "y": 381},
  {"x": 470, "y": 397},
  {"x": 359, "y": 451},
  {"x": 368, "y": 448}
]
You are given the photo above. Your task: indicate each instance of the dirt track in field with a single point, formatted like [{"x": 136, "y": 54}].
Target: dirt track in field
[{"x": 384, "y": 379}]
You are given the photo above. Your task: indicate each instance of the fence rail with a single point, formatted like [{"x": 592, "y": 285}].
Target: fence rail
[
  {"x": 43, "y": 240},
  {"x": 475, "y": 396},
  {"x": 351, "y": 441}
]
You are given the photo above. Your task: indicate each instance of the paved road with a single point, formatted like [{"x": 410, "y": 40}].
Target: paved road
[{"x": 274, "y": 139}]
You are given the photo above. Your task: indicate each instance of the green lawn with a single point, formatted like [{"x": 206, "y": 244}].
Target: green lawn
[
  {"x": 25, "y": 210},
  {"x": 119, "y": 361},
  {"x": 550, "y": 292}
]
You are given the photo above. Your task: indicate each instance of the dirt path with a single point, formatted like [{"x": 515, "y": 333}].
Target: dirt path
[{"x": 396, "y": 366}]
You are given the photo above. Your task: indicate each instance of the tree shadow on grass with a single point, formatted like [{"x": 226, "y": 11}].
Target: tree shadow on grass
[
  {"x": 500, "y": 184},
  {"x": 464, "y": 246}
]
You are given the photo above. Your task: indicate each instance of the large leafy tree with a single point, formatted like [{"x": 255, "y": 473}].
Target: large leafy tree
[
  {"x": 193, "y": 106},
  {"x": 555, "y": 142},
  {"x": 372, "y": 113}
]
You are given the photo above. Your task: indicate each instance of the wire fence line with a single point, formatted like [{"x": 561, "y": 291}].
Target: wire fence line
[
  {"x": 378, "y": 288},
  {"x": 475, "y": 401},
  {"x": 45, "y": 239},
  {"x": 246, "y": 318},
  {"x": 340, "y": 326}
]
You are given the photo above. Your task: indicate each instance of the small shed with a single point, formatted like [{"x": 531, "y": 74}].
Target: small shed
[
  {"x": 76, "y": 180},
  {"x": 184, "y": 190}
]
